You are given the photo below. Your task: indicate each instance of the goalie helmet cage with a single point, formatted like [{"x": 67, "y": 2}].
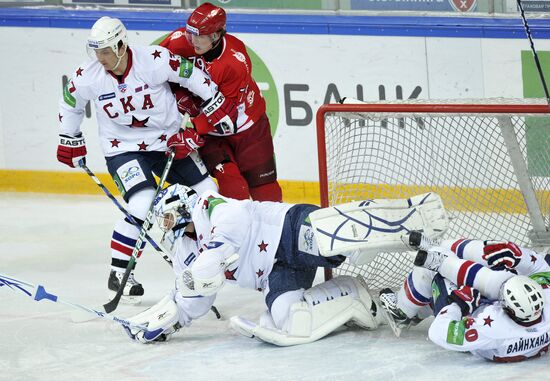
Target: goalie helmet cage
[{"x": 490, "y": 163}]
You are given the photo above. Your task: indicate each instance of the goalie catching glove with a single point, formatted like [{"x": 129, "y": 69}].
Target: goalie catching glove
[
  {"x": 161, "y": 321},
  {"x": 219, "y": 115},
  {"x": 71, "y": 150}
]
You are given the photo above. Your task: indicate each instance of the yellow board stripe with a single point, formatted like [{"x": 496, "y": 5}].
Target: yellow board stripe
[
  {"x": 454, "y": 198},
  {"x": 78, "y": 182}
]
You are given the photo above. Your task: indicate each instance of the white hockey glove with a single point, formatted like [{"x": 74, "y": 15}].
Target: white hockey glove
[{"x": 161, "y": 321}]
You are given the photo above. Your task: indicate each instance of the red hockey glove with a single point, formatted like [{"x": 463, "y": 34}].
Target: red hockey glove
[
  {"x": 71, "y": 150},
  {"x": 219, "y": 114},
  {"x": 467, "y": 298},
  {"x": 187, "y": 102},
  {"x": 185, "y": 142},
  {"x": 501, "y": 254}
]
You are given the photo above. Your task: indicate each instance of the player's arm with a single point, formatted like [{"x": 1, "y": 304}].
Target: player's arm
[
  {"x": 72, "y": 146},
  {"x": 218, "y": 114},
  {"x": 175, "y": 310}
]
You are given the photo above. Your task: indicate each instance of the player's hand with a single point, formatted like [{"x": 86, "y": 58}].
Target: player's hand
[
  {"x": 71, "y": 150},
  {"x": 187, "y": 102},
  {"x": 467, "y": 298},
  {"x": 219, "y": 114},
  {"x": 185, "y": 142},
  {"x": 501, "y": 254}
]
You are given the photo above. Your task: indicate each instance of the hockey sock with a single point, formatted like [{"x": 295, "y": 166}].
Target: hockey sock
[{"x": 231, "y": 182}]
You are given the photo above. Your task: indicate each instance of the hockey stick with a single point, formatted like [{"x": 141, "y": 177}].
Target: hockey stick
[
  {"x": 535, "y": 55},
  {"x": 112, "y": 305},
  {"x": 158, "y": 248},
  {"x": 38, "y": 293}
]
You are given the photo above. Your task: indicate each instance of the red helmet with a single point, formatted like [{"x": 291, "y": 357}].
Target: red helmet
[{"x": 206, "y": 19}]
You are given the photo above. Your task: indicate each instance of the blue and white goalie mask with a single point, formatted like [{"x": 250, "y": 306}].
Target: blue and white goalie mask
[{"x": 173, "y": 208}]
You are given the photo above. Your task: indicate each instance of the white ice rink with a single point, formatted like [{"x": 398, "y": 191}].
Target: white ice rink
[{"x": 62, "y": 242}]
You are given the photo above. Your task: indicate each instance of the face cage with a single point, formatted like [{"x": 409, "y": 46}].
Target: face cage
[
  {"x": 168, "y": 220},
  {"x": 513, "y": 316}
]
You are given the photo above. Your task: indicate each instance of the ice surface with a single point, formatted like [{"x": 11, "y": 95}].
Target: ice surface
[{"x": 62, "y": 242}]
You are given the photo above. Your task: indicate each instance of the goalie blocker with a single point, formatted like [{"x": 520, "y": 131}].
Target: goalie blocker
[{"x": 361, "y": 230}]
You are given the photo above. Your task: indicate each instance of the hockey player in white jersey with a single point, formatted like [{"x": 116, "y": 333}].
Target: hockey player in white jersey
[
  {"x": 263, "y": 246},
  {"x": 494, "y": 314},
  {"x": 137, "y": 115}
]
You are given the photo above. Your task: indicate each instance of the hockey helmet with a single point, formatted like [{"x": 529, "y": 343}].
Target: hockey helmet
[
  {"x": 522, "y": 299},
  {"x": 206, "y": 19},
  {"x": 174, "y": 206},
  {"x": 107, "y": 32}
]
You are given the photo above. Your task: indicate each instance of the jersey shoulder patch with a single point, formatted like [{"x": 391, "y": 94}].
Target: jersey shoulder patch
[{"x": 213, "y": 202}]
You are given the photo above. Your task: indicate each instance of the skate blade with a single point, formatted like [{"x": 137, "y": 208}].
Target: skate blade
[{"x": 126, "y": 299}]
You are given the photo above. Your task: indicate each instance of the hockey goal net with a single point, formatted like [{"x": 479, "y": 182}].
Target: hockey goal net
[{"x": 489, "y": 162}]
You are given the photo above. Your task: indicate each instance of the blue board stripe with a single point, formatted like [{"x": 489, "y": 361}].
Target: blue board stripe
[{"x": 409, "y": 26}]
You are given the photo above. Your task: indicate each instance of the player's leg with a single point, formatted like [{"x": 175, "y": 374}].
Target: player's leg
[
  {"x": 463, "y": 272},
  {"x": 296, "y": 316},
  {"x": 411, "y": 303},
  {"x": 132, "y": 172},
  {"x": 254, "y": 155},
  {"x": 217, "y": 154},
  {"x": 499, "y": 255},
  {"x": 190, "y": 171}
]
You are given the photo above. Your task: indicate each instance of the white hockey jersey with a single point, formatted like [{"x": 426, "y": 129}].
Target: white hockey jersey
[
  {"x": 249, "y": 228},
  {"x": 490, "y": 333},
  {"x": 135, "y": 111}
]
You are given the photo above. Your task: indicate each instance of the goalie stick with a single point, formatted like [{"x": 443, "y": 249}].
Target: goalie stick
[{"x": 38, "y": 293}]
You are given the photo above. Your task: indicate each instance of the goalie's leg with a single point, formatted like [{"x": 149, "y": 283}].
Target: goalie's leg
[{"x": 296, "y": 319}]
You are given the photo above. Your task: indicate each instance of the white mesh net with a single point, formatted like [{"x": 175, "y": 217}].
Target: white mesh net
[{"x": 483, "y": 167}]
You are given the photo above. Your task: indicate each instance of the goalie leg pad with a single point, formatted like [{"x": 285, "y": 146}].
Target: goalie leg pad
[
  {"x": 161, "y": 321},
  {"x": 368, "y": 227},
  {"x": 323, "y": 309}
]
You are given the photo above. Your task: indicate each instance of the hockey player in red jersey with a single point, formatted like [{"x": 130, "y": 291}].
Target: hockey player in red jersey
[{"x": 239, "y": 156}]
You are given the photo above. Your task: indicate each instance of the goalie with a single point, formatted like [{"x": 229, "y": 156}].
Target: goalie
[{"x": 265, "y": 246}]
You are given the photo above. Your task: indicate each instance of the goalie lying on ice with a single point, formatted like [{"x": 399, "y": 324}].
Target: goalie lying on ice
[{"x": 264, "y": 246}]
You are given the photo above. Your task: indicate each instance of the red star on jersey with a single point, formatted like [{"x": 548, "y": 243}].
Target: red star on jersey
[
  {"x": 488, "y": 320},
  {"x": 142, "y": 146},
  {"x": 207, "y": 81},
  {"x": 79, "y": 72},
  {"x": 114, "y": 143},
  {"x": 136, "y": 123},
  {"x": 155, "y": 54},
  {"x": 259, "y": 273},
  {"x": 533, "y": 258},
  {"x": 60, "y": 117},
  {"x": 263, "y": 246},
  {"x": 230, "y": 275},
  {"x": 162, "y": 138},
  {"x": 443, "y": 312}
]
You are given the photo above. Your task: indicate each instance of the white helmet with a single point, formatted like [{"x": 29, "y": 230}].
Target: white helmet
[
  {"x": 173, "y": 208},
  {"x": 107, "y": 32},
  {"x": 522, "y": 298}
]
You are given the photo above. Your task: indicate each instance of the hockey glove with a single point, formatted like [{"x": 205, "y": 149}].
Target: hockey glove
[
  {"x": 219, "y": 115},
  {"x": 187, "y": 103},
  {"x": 501, "y": 254},
  {"x": 185, "y": 142},
  {"x": 71, "y": 150},
  {"x": 161, "y": 321},
  {"x": 467, "y": 298}
]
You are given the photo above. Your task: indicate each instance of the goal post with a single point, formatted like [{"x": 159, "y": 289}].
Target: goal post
[{"x": 489, "y": 160}]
